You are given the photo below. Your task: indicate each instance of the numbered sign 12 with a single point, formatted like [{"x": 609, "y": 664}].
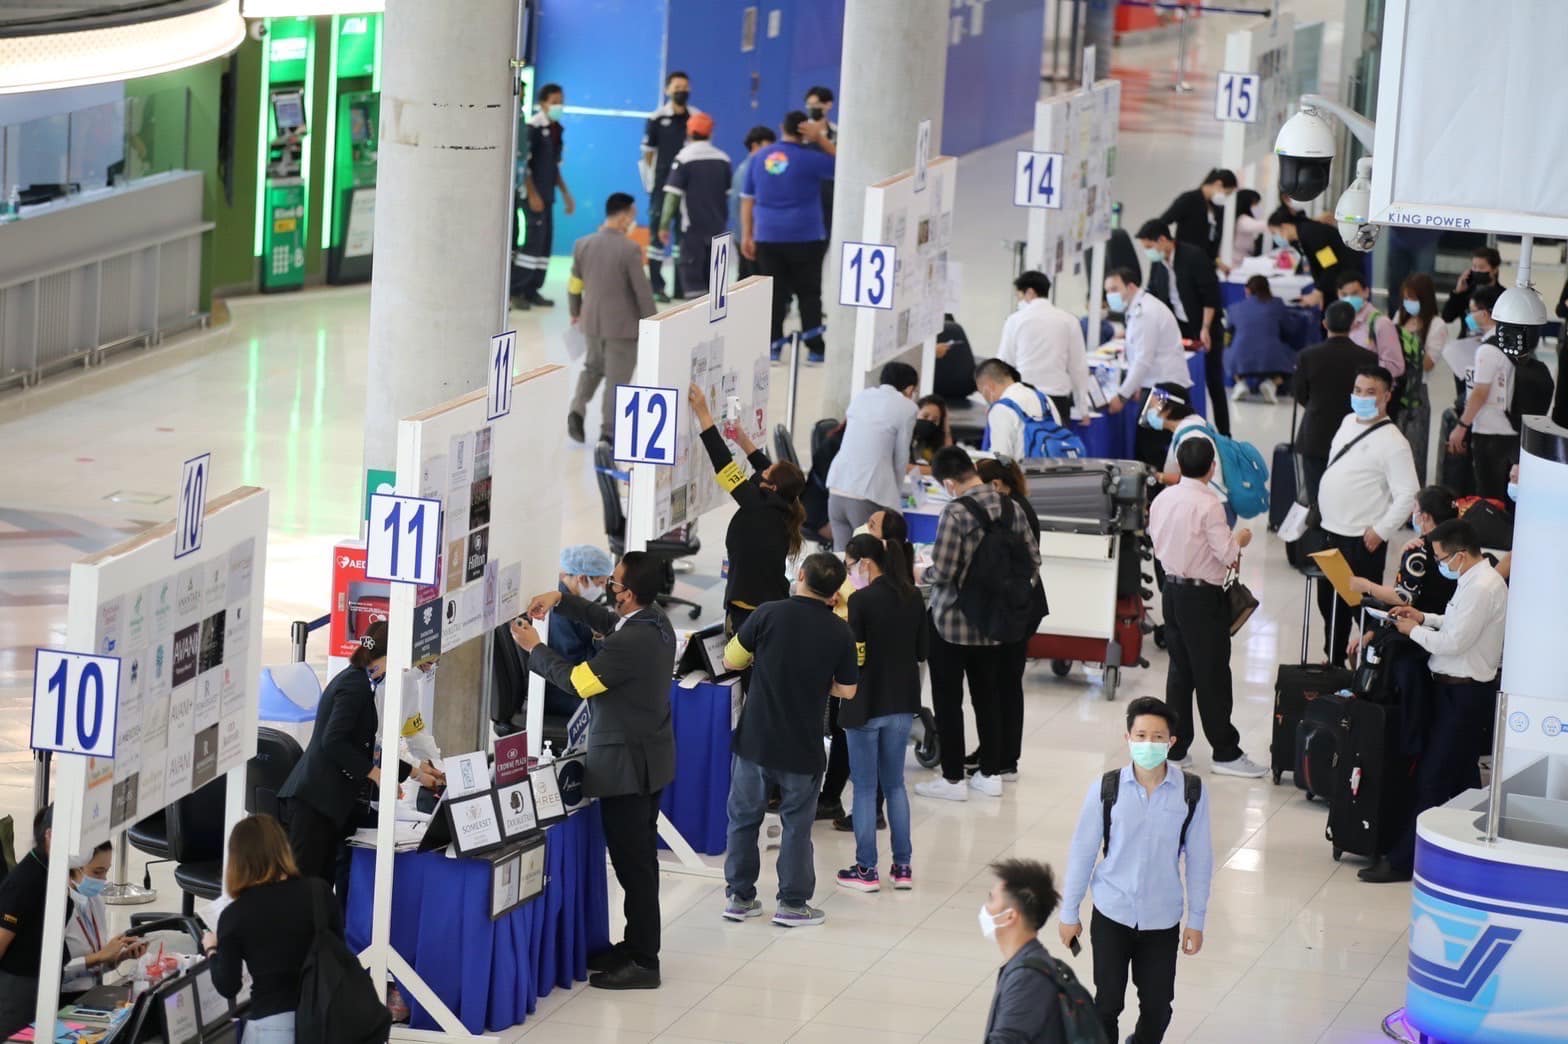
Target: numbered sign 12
[
  {"x": 922, "y": 154},
  {"x": 1236, "y": 97},
  {"x": 1037, "y": 180},
  {"x": 719, "y": 251},
  {"x": 503, "y": 354},
  {"x": 404, "y": 539},
  {"x": 191, "y": 515},
  {"x": 76, "y": 698},
  {"x": 645, "y": 424},
  {"x": 865, "y": 275}
]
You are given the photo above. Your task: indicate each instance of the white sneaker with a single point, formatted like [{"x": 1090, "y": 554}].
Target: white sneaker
[
  {"x": 1242, "y": 766},
  {"x": 990, "y": 786},
  {"x": 944, "y": 789},
  {"x": 1238, "y": 391},
  {"x": 1010, "y": 777},
  {"x": 1270, "y": 396}
]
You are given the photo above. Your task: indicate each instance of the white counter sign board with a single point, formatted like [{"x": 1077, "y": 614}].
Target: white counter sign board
[{"x": 1070, "y": 205}]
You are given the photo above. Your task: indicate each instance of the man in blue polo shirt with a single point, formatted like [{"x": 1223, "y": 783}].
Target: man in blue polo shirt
[{"x": 781, "y": 223}]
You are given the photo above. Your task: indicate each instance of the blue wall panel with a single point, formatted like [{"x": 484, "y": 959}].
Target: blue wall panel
[{"x": 993, "y": 74}]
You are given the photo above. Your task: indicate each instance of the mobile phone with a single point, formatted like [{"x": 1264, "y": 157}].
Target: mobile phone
[
  {"x": 1075, "y": 947},
  {"x": 91, "y": 1013}
]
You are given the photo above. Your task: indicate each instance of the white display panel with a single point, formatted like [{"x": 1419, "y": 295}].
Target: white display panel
[
  {"x": 1081, "y": 126},
  {"x": 728, "y": 360},
  {"x": 1264, "y": 50}
]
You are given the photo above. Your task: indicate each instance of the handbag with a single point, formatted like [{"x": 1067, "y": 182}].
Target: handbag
[{"x": 1239, "y": 600}]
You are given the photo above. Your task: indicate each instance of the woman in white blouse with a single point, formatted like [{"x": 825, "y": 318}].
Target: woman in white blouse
[
  {"x": 1244, "y": 243},
  {"x": 90, "y": 949}
]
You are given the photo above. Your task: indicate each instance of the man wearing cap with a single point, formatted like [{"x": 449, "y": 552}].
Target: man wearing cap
[
  {"x": 584, "y": 571},
  {"x": 698, "y": 186}
]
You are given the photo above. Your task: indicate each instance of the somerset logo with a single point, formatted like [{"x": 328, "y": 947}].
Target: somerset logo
[{"x": 776, "y": 162}]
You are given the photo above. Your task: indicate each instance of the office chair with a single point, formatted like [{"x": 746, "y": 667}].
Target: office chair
[
  {"x": 784, "y": 446},
  {"x": 195, "y": 825},
  {"x": 666, "y": 550}
]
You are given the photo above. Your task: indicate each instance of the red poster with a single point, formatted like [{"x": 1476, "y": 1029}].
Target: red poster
[{"x": 511, "y": 759}]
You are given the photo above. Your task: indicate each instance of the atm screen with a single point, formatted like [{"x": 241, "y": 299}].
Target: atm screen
[
  {"x": 288, "y": 110},
  {"x": 359, "y": 124}
]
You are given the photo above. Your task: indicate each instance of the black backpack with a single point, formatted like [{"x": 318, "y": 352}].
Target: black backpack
[
  {"x": 1532, "y": 391},
  {"x": 1080, "y": 1021},
  {"x": 996, "y": 593},
  {"x": 338, "y": 1004}
]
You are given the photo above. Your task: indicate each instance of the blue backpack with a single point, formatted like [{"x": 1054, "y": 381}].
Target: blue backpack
[
  {"x": 1043, "y": 437},
  {"x": 1246, "y": 485}
]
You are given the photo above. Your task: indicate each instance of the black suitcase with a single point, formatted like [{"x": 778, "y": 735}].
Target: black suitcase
[
  {"x": 1296, "y": 686},
  {"x": 1369, "y": 802},
  {"x": 1088, "y": 496},
  {"x": 1321, "y": 735},
  {"x": 1283, "y": 487},
  {"x": 1454, "y": 472}
]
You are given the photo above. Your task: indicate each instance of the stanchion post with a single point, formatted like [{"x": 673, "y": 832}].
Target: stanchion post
[
  {"x": 299, "y": 636},
  {"x": 794, "y": 379},
  {"x": 1181, "y": 86},
  {"x": 1494, "y": 805}
]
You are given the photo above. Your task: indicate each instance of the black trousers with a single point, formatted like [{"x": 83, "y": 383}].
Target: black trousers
[
  {"x": 532, "y": 262},
  {"x": 1364, "y": 563},
  {"x": 316, "y": 840},
  {"x": 1012, "y": 659},
  {"x": 655, "y": 263},
  {"x": 837, "y": 774},
  {"x": 950, "y": 665},
  {"x": 1197, "y": 636},
  {"x": 1151, "y": 955},
  {"x": 796, "y": 269},
  {"x": 1493, "y": 457},
  {"x": 631, "y": 833},
  {"x": 1064, "y": 406},
  {"x": 1214, "y": 380},
  {"x": 1457, "y": 734}
]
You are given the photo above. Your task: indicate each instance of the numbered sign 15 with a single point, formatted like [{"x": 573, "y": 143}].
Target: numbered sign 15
[
  {"x": 191, "y": 514},
  {"x": 76, "y": 698},
  {"x": 1236, "y": 97},
  {"x": 865, "y": 275},
  {"x": 719, "y": 251},
  {"x": 645, "y": 424},
  {"x": 1037, "y": 180},
  {"x": 503, "y": 354},
  {"x": 404, "y": 539}
]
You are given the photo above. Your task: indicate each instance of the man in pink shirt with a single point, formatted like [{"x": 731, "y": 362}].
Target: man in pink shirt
[
  {"x": 1195, "y": 544},
  {"x": 1372, "y": 330}
]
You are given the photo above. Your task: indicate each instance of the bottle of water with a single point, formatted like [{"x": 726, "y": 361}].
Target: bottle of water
[{"x": 13, "y": 204}]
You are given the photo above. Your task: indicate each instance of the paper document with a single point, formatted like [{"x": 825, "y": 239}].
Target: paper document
[{"x": 1338, "y": 572}]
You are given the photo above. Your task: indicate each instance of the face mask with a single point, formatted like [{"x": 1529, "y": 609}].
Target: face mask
[
  {"x": 816, "y": 112},
  {"x": 1220, "y": 199},
  {"x": 1479, "y": 278},
  {"x": 592, "y": 592},
  {"x": 554, "y": 111},
  {"x": 1363, "y": 406},
  {"x": 865, "y": 528},
  {"x": 1151, "y": 419},
  {"x": 1280, "y": 241},
  {"x": 90, "y": 886},
  {"x": 1153, "y": 254},
  {"x": 1449, "y": 573},
  {"x": 858, "y": 578},
  {"x": 1471, "y": 323},
  {"x": 1513, "y": 491},
  {"x": 1415, "y": 522},
  {"x": 1412, "y": 308},
  {"x": 927, "y": 431},
  {"x": 680, "y": 97},
  {"x": 1354, "y": 300},
  {"x": 1148, "y": 755},
  {"x": 988, "y": 922},
  {"x": 1115, "y": 301},
  {"x": 1023, "y": 302}
]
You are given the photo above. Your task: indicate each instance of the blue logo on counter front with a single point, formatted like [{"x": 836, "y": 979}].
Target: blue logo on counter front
[
  {"x": 1551, "y": 727},
  {"x": 1519, "y": 721},
  {"x": 1464, "y": 981}
]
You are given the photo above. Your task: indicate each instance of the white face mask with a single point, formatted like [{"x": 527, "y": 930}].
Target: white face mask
[
  {"x": 988, "y": 922},
  {"x": 1220, "y": 199},
  {"x": 592, "y": 592},
  {"x": 1023, "y": 302}
]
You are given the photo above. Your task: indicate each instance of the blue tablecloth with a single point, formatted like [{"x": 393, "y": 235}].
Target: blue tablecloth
[
  {"x": 492, "y": 973},
  {"x": 695, "y": 801},
  {"x": 1110, "y": 436}
]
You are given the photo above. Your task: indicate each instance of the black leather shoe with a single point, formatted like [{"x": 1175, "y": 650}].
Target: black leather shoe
[
  {"x": 610, "y": 959},
  {"x": 829, "y": 811},
  {"x": 574, "y": 427},
  {"x": 1382, "y": 872},
  {"x": 540, "y": 301},
  {"x": 847, "y": 823},
  {"x": 520, "y": 303},
  {"x": 629, "y": 976}
]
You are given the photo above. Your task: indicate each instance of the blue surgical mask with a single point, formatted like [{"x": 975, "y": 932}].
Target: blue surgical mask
[
  {"x": 554, "y": 111},
  {"x": 1280, "y": 241},
  {"x": 89, "y": 886},
  {"x": 1354, "y": 300},
  {"x": 1363, "y": 406},
  {"x": 1471, "y": 323},
  {"x": 1412, "y": 308},
  {"x": 1151, "y": 419},
  {"x": 1448, "y": 571},
  {"x": 1513, "y": 491},
  {"x": 1115, "y": 301},
  {"x": 1153, "y": 254},
  {"x": 1148, "y": 755}
]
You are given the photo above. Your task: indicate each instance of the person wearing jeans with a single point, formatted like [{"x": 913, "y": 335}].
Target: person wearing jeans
[
  {"x": 800, "y": 653},
  {"x": 887, "y": 618}
]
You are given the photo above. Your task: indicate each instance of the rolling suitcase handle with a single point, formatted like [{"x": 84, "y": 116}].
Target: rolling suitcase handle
[{"x": 1306, "y": 617}]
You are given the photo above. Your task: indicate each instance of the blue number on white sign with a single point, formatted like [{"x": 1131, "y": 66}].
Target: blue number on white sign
[
  {"x": 866, "y": 275},
  {"x": 1236, "y": 97},
  {"x": 503, "y": 347},
  {"x": 645, "y": 424},
  {"x": 719, "y": 277},
  {"x": 404, "y": 539},
  {"x": 192, "y": 511},
  {"x": 1037, "y": 180},
  {"x": 75, "y": 702}
]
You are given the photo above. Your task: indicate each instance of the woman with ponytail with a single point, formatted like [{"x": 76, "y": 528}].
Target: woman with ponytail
[{"x": 887, "y": 616}]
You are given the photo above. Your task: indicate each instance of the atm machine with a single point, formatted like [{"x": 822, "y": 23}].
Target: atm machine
[
  {"x": 283, "y": 224},
  {"x": 354, "y": 101}
]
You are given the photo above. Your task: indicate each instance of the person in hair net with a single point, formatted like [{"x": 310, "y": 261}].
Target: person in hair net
[
  {"x": 585, "y": 568},
  {"x": 90, "y": 949}
]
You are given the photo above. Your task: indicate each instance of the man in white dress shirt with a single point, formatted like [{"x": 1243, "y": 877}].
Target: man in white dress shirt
[
  {"x": 1005, "y": 396},
  {"x": 1466, "y": 643},
  {"x": 1154, "y": 356},
  {"x": 1045, "y": 344}
]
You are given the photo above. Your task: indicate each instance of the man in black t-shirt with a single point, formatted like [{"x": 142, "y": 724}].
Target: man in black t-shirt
[
  {"x": 800, "y": 654},
  {"x": 662, "y": 138},
  {"x": 22, "y": 896},
  {"x": 535, "y": 209}
]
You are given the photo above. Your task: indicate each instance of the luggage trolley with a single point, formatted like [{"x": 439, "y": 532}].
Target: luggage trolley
[{"x": 1092, "y": 516}]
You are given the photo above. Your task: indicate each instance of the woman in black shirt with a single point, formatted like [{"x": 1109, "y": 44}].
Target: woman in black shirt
[
  {"x": 766, "y": 530},
  {"x": 268, "y": 928},
  {"x": 887, "y": 616}
]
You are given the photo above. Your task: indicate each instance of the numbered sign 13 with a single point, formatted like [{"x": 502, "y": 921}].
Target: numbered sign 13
[
  {"x": 1236, "y": 97},
  {"x": 76, "y": 698},
  {"x": 404, "y": 539},
  {"x": 865, "y": 275},
  {"x": 1037, "y": 180},
  {"x": 645, "y": 424},
  {"x": 191, "y": 515},
  {"x": 503, "y": 354},
  {"x": 719, "y": 251}
]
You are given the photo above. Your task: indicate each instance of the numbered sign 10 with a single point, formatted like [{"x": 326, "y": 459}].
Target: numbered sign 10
[
  {"x": 76, "y": 698},
  {"x": 645, "y": 424},
  {"x": 719, "y": 251},
  {"x": 404, "y": 539},
  {"x": 191, "y": 514},
  {"x": 503, "y": 354},
  {"x": 1236, "y": 97},
  {"x": 865, "y": 275},
  {"x": 1037, "y": 180}
]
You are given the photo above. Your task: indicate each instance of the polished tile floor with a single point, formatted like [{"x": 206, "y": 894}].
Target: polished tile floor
[{"x": 1296, "y": 948}]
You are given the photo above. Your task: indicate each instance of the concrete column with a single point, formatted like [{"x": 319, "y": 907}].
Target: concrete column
[
  {"x": 891, "y": 77},
  {"x": 443, "y": 223}
]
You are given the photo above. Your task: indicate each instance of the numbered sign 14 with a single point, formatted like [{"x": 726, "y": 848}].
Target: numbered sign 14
[
  {"x": 719, "y": 251},
  {"x": 645, "y": 424},
  {"x": 865, "y": 275},
  {"x": 191, "y": 515},
  {"x": 1236, "y": 97},
  {"x": 404, "y": 539},
  {"x": 1037, "y": 180},
  {"x": 76, "y": 698},
  {"x": 503, "y": 353}
]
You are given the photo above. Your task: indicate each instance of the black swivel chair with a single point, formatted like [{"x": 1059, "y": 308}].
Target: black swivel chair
[
  {"x": 784, "y": 445},
  {"x": 150, "y": 836},
  {"x": 609, "y": 478}
]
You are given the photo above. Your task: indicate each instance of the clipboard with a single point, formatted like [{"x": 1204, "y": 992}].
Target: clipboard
[{"x": 1337, "y": 570}]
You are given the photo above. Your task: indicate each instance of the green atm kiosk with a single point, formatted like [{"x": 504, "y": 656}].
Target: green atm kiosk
[
  {"x": 285, "y": 152},
  {"x": 349, "y": 232}
]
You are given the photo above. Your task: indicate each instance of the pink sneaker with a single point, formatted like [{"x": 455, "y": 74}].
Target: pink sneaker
[{"x": 903, "y": 877}]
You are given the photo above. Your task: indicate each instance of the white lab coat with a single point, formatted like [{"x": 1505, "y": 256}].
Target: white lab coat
[{"x": 85, "y": 933}]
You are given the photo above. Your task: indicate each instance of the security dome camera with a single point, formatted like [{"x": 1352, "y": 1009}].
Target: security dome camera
[
  {"x": 257, "y": 28},
  {"x": 1305, "y": 147},
  {"x": 1351, "y": 210},
  {"x": 1521, "y": 306}
]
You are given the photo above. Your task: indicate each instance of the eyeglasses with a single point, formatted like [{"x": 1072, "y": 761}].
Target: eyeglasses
[{"x": 613, "y": 585}]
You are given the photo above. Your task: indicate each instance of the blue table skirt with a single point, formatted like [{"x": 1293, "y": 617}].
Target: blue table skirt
[
  {"x": 695, "y": 801},
  {"x": 492, "y": 973}
]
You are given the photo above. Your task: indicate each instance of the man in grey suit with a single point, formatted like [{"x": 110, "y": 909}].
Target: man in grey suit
[
  {"x": 608, "y": 293},
  {"x": 631, "y": 743}
]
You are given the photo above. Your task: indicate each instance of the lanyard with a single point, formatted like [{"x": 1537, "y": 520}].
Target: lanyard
[{"x": 90, "y": 926}]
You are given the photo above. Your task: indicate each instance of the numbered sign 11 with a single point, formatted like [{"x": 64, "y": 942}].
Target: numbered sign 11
[
  {"x": 645, "y": 424},
  {"x": 719, "y": 251},
  {"x": 503, "y": 354},
  {"x": 922, "y": 154},
  {"x": 1037, "y": 180},
  {"x": 403, "y": 540},
  {"x": 191, "y": 515},
  {"x": 1236, "y": 97},
  {"x": 865, "y": 275},
  {"x": 76, "y": 698}
]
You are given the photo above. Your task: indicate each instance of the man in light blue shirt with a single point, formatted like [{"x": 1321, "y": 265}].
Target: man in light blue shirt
[
  {"x": 867, "y": 474},
  {"x": 1155, "y": 813}
]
